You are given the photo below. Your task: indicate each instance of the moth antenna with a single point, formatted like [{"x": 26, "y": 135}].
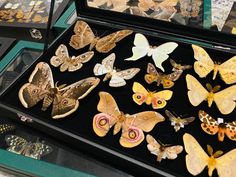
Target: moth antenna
[{"x": 176, "y": 115}]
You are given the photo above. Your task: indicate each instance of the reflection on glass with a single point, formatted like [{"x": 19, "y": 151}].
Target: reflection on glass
[
  {"x": 72, "y": 18},
  {"x": 218, "y": 15},
  {"x": 20, "y": 64},
  {"x": 186, "y": 12},
  {"x": 26, "y": 11}
]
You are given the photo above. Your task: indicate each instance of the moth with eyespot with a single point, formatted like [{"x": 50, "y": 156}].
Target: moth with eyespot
[{"x": 64, "y": 99}]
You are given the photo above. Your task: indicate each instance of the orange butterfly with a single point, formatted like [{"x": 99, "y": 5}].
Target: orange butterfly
[
  {"x": 132, "y": 125},
  {"x": 211, "y": 127}
]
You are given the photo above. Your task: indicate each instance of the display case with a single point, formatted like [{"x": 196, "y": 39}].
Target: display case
[
  {"x": 5, "y": 44},
  {"x": 140, "y": 52},
  {"x": 17, "y": 60},
  {"x": 68, "y": 17},
  {"x": 28, "y": 17}
]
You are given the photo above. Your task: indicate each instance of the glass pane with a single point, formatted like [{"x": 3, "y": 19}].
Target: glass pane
[{"x": 18, "y": 66}]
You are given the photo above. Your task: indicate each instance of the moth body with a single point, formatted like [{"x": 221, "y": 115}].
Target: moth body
[
  {"x": 215, "y": 70},
  {"x": 211, "y": 165},
  {"x": 210, "y": 98}
]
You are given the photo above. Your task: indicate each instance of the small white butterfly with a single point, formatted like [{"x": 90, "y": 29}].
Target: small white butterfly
[
  {"x": 117, "y": 77},
  {"x": 159, "y": 53}
]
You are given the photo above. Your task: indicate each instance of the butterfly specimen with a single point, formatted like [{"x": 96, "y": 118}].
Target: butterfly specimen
[
  {"x": 204, "y": 65},
  {"x": 114, "y": 5},
  {"x": 197, "y": 159},
  {"x": 190, "y": 8},
  {"x": 162, "y": 151},
  {"x": 21, "y": 146},
  {"x": 69, "y": 63},
  {"x": 179, "y": 67},
  {"x": 159, "y": 53},
  {"x": 224, "y": 99},
  {"x": 84, "y": 36},
  {"x": 132, "y": 126},
  {"x": 156, "y": 99},
  {"x": 65, "y": 99},
  {"x": 177, "y": 121},
  {"x": 165, "y": 79},
  {"x": 6, "y": 128},
  {"x": 117, "y": 77},
  {"x": 212, "y": 126}
]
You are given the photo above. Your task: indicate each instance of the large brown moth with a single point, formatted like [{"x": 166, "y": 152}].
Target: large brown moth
[
  {"x": 64, "y": 99},
  {"x": 84, "y": 36},
  {"x": 69, "y": 63},
  {"x": 132, "y": 126}
]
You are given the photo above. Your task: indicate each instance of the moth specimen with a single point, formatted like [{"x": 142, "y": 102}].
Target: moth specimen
[
  {"x": 197, "y": 159},
  {"x": 132, "y": 126},
  {"x": 179, "y": 67},
  {"x": 163, "y": 151},
  {"x": 146, "y": 5},
  {"x": 66, "y": 62},
  {"x": 21, "y": 146},
  {"x": 167, "y": 80},
  {"x": 159, "y": 53},
  {"x": 117, "y": 77},
  {"x": 190, "y": 8},
  {"x": 64, "y": 99},
  {"x": 6, "y": 128},
  {"x": 212, "y": 126},
  {"x": 204, "y": 65},
  {"x": 156, "y": 99},
  {"x": 225, "y": 99},
  {"x": 177, "y": 121},
  {"x": 84, "y": 36}
]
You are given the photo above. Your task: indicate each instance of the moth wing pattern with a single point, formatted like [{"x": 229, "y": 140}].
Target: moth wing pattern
[
  {"x": 227, "y": 71},
  {"x": 141, "y": 47},
  {"x": 136, "y": 124},
  {"x": 107, "y": 43},
  {"x": 40, "y": 81},
  {"x": 196, "y": 158},
  {"x": 209, "y": 125},
  {"x": 226, "y": 100},
  {"x": 197, "y": 93},
  {"x": 16, "y": 144},
  {"x": 66, "y": 101},
  {"x": 161, "y": 53},
  {"x": 60, "y": 57},
  {"x": 106, "y": 66},
  {"x": 204, "y": 64},
  {"x": 83, "y": 35}
]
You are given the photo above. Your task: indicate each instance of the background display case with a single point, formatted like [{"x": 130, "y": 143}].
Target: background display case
[
  {"x": 5, "y": 44},
  {"x": 77, "y": 128},
  {"x": 28, "y": 17}
]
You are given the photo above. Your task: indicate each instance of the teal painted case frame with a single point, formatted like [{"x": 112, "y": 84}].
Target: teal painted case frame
[
  {"x": 25, "y": 166},
  {"x": 62, "y": 21},
  {"x": 15, "y": 51}
]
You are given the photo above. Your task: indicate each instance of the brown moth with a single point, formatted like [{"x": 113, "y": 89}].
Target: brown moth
[
  {"x": 162, "y": 151},
  {"x": 64, "y": 99},
  {"x": 84, "y": 36},
  {"x": 69, "y": 63},
  {"x": 177, "y": 121},
  {"x": 177, "y": 66},
  {"x": 165, "y": 79}
]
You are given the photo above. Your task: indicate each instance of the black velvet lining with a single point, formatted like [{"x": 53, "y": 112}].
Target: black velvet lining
[{"x": 80, "y": 122}]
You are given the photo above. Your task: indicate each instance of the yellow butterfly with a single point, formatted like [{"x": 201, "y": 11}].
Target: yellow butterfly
[
  {"x": 157, "y": 99},
  {"x": 197, "y": 159},
  {"x": 132, "y": 126},
  {"x": 204, "y": 65},
  {"x": 224, "y": 99}
]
